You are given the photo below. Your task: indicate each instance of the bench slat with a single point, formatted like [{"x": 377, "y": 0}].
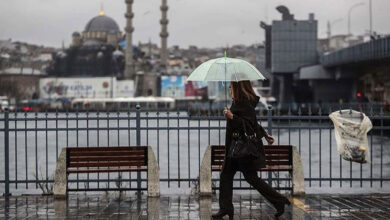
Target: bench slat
[
  {"x": 217, "y": 162},
  {"x": 218, "y": 157},
  {"x": 107, "y": 158},
  {"x": 218, "y": 152},
  {"x": 285, "y": 147},
  {"x": 277, "y": 168},
  {"x": 106, "y": 164},
  {"x": 107, "y": 170},
  {"x": 277, "y": 157},
  {"x": 216, "y": 168},
  {"x": 137, "y": 148},
  {"x": 276, "y": 151},
  {"x": 107, "y": 153},
  {"x": 277, "y": 162},
  {"x": 218, "y": 147}
]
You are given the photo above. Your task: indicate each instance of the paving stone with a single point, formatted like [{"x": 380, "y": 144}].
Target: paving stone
[{"x": 103, "y": 206}]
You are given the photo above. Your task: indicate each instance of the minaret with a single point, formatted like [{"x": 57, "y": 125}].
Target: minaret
[
  {"x": 164, "y": 33},
  {"x": 129, "y": 68},
  {"x": 150, "y": 49}
]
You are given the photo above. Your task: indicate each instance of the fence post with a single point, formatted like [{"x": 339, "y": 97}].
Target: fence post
[
  {"x": 6, "y": 151},
  {"x": 138, "y": 131},
  {"x": 269, "y": 119}
]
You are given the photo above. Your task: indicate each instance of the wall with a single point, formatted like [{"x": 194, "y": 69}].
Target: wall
[{"x": 294, "y": 44}]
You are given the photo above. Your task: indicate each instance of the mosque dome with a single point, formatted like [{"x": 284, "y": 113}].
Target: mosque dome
[
  {"x": 102, "y": 23},
  {"x": 101, "y": 29}
]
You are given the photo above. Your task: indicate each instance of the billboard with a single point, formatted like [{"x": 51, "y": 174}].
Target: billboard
[
  {"x": 218, "y": 90},
  {"x": 124, "y": 88},
  {"x": 179, "y": 87},
  {"x": 85, "y": 87}
]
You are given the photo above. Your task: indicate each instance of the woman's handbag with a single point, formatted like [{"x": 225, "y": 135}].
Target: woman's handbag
[{"x": 244, "y": 146}]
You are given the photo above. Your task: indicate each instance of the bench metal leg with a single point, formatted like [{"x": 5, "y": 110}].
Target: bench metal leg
[
  {"x": 153, "y": 174},
  {"x": 205, "y": 173},
  {"x": 298, "y": 179},
  {"x": 270, "y": 178},
  {"x": 61, "y": 177}
]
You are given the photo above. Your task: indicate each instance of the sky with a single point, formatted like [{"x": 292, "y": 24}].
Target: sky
[{"x": 203, "y": 23}]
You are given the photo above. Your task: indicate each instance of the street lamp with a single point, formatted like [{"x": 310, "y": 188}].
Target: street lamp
[
  {"x": 370, "y": 8},
  {"x": 349, "y": 15}
]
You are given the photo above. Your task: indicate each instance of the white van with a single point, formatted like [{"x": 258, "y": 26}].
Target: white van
[{"x": 3, "y": 103}]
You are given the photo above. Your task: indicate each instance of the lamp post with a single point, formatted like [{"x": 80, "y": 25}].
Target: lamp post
[
  {"x": 349, "y": 15},
  {"x": 370, "y": 12}
]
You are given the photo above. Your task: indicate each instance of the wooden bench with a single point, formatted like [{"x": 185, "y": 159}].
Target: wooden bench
[
  {"x": 74, "y": 160},
  {"x": 278, "y": 158}
]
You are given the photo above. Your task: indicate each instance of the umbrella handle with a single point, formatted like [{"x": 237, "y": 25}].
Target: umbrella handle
[{"x": 225, "y": 81}]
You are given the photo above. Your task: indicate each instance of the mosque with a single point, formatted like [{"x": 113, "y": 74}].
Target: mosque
[
  {"x": 94, "y": 52},
  {"x": 102, "y": 50}
]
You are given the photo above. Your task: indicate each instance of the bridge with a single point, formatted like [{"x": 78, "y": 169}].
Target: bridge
[
  {"x": 356, "y": 73},
  {"x": 373, "y": 52}
]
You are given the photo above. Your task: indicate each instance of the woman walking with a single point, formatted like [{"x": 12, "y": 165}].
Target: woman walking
[{"x": 243, "y": 108}]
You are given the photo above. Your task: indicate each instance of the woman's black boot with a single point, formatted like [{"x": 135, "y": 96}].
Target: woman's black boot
[
  {"x": 280, "y": 208},
  {"x": 221, "y": 213}
]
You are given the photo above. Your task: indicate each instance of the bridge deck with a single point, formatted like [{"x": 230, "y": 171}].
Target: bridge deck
[{"x": 375, "y": 50}]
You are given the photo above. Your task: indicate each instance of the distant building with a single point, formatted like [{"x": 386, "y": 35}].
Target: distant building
[
  {"x": 337, "y": 42},
  {"x": 19, "y": 83},
  {"x": 290, "y": 44},
  {"x": 94, "y": 52}
]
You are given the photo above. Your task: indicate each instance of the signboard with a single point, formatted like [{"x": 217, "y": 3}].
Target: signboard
[
  {"x": 85, "y": 87},
  {"x": 172, "y": 86},
  {"x": 179, "y": 87},
  {"x": 124, "y": 88},
  {"x": 216, "y": 90}
]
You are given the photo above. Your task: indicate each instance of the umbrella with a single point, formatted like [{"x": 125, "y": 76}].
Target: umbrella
[{"x": 225, "y": 69}]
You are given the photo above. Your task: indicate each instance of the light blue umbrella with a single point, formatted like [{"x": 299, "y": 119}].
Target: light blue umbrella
[{"x": 225, "y": 69}]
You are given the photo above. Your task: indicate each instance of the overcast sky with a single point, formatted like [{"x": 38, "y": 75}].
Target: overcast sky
[{"x": 204, "y": 23}]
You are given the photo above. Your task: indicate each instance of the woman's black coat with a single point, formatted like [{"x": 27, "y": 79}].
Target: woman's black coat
[{"x": 245, "y": 109}]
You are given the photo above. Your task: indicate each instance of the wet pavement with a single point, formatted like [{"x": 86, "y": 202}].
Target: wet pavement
[{"x": 130, "y": 206}]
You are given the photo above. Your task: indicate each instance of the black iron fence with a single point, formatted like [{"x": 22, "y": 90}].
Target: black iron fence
[{"x": 31, "y": 142}]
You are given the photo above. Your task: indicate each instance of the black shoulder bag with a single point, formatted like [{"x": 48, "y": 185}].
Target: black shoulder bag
[{"x": 244, "y": 146}]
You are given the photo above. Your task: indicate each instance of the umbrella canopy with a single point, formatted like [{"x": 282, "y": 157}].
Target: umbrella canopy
[{"x": 225, "y": 69}]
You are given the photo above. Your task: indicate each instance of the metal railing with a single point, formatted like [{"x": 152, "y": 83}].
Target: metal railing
[{"x": 32, "y": 140}]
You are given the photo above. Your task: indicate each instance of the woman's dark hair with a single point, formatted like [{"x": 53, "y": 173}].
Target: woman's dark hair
[{"x": 243, "y": 90}]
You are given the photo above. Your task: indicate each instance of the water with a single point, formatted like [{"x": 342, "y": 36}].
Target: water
[{"x": 34, "y": 153}]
